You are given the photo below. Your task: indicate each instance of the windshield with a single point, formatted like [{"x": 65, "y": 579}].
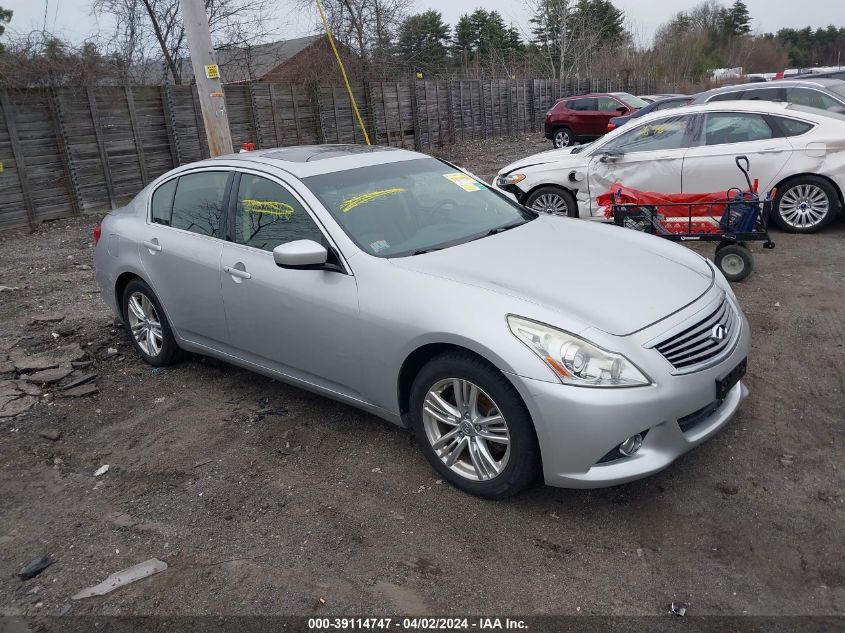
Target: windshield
[
  {"x": 631, "y": 100},
  {"x": 413, "y": 206}
]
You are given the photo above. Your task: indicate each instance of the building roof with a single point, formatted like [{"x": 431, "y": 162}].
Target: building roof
[{"x": 245, "y": 64}]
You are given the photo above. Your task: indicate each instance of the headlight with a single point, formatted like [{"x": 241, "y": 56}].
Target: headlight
[
  {"x": 574, "y": 360},
  {"x": 510, "y": 179}
]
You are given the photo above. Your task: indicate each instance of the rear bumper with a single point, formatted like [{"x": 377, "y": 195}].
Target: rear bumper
[{"x": 578, "y": 426}]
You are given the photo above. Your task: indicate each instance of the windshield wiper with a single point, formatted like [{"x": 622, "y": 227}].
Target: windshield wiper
[
  {"x": 504, "y": 227},
  {"x": 423, "y": 251}
]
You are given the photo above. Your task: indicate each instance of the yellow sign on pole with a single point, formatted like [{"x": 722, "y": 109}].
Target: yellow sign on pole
[{"x": 212, "y": 71}]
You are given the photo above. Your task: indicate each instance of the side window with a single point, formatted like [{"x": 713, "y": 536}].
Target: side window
[
  {"x": 582, "y": 105},
  {"x": 607, "y": 104},
  {"x": 762, "y": 94},
  {"x": 793, "y": 127},
  {"x": 735, "y": 127},
  {"x": 727, "y": 96},
  {"x": 670, "y": 133},
  {"x": 198, "y": 202},
  {"x": 162, "y": 205},
  {"x": 811, "y": 98},
  {"x": 269, "y": 215}
]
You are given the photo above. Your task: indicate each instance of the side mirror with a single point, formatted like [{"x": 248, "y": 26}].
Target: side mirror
[
  {"x": 300, "y": 254},
  {"x": 622, "y": 110},
  {"x": 611, "y": 156}
]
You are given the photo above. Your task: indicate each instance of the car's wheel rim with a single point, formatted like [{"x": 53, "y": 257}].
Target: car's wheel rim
[
  {"x": 551, "y": 203},
  {"x": 733, "y": 264},
  {"x": 562, "y": 139},
  {"x": 804, "y": 206},
  {"x": 466, "y": 429},
  {"x": 145, "y": 324}
]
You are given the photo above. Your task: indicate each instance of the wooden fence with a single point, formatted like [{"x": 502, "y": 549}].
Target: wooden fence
[{"x": 64, "y": 151}]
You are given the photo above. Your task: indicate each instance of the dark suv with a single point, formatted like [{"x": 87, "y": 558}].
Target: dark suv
[{"x": 585, "y": 117}]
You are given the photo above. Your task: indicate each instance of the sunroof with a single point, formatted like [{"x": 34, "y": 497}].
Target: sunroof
[{"x": 309, "y": 153}]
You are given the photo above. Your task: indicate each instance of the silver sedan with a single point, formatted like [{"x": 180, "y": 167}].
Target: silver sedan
[{"x": 511, "y": 344}]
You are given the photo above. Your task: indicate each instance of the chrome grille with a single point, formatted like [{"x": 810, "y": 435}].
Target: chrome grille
[{"x": 695, "y": 345}]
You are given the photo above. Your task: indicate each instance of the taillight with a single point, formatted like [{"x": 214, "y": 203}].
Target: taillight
[
  {"x": 97, "y": 232},
  {"x": 611, "y": 127}
]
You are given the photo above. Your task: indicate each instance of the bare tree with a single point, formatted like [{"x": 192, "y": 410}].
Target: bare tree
[
  {"x": 368, "y": 27},
  {"x": 153, "y": 29}
]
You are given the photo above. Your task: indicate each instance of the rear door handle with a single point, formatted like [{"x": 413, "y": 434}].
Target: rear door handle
[
  {"x": 153, "y": 245},
  {"x": 237, "y": 272}
]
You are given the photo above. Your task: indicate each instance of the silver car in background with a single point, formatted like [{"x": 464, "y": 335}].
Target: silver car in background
[{"x": 400, "y": 284}]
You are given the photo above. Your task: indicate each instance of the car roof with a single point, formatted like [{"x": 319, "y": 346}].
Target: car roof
[
  {"x": 821, "y": 82},
  {"x": 313, "y": 160},
  {"x": 757, "y": 105}
]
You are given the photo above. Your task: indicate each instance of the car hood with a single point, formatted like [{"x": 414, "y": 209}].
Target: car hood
[
  {"x": 563, "y": 156},
  {"x": 607, "y": 277}
]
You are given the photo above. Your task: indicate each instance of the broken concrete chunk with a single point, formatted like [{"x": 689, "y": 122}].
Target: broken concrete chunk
[
  {"x": 80, "y": 380},
  {"x": 81, "y": 364},
  {"x": 47, "y": 376},
  {"x": 35, "y": 567},
  {"x": 28, "y": 388},
  {"x": 51, "y": 434},
  {"x": 11, "y": 408},
  {"x": 49, "y": 359},
  {"x": 48, "y": 318},
  {"x": 81, "y": 391},
  {"x": 122, "y": 578},
  {"x": 7, "y": 367}
]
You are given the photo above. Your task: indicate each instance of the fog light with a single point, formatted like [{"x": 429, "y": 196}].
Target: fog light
[{"x": 631, "y": 445}]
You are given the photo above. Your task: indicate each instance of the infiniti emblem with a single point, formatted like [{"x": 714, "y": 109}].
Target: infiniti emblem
[{"x": 719, "y": 332}]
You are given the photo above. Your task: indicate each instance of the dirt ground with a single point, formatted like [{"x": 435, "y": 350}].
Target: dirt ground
[{"x": 265, "y": 499}]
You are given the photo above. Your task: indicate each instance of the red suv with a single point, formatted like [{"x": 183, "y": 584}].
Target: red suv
[{"x": 585, "y": 117}]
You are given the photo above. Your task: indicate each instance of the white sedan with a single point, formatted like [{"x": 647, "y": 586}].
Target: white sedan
[{"x": 798, "y": 150}]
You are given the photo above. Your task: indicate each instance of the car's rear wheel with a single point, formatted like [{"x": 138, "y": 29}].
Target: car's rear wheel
[
  {"x": 147, "y": 325},
  {"x": 552, "y": 200},
  {"x": 563, "y": 137},
  {"x": 473, "y": 427},
  {"x": 804, "y": 205}
]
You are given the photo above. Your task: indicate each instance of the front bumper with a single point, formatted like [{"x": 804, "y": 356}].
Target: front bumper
[{"x": 577, "y": 426}]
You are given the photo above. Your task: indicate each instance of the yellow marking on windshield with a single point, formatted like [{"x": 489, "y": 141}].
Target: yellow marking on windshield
[
  {"x": 465, "y": 182},
  {"x": 350, "y": 203},
  {"x": 269, "y": 207}
]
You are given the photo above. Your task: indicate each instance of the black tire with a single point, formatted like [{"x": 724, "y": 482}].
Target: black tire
[
  {"x": 563, "y": 137},
  {"x": 523, "y": 463},
  {"x": 735, "y": 262},
  {"x": 169, "y": 352},
  {"x": 791, "y": 188},
  {"x": 565, "y": 196}
]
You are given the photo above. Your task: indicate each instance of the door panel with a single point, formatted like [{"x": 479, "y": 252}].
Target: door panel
[
  {"x": 711, "y": 166},
  {"x": 302, "y": 323},
  {"x": 650, "y": 158},
  {"x": 180, "y": 251}
]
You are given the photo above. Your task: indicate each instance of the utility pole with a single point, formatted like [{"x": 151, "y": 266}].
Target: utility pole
[{"x": 207, "y": 74}]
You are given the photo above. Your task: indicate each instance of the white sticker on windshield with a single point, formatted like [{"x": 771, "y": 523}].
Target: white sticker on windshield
[
  {"x": 467, "y": 183},
  {"x": 379, "y": 245}
]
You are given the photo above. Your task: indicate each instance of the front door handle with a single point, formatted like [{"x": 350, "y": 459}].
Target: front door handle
[
  {"x": 153, "y": 245},
  {"x": 239, "y": 273}
]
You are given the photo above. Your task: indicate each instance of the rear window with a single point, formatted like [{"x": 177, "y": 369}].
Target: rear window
[
  {"x": 631, "y": 100},
  {"x": 793, "y": 127},
  {"x": 583, "y": 104},
  {"x": 727, "y": 96}
]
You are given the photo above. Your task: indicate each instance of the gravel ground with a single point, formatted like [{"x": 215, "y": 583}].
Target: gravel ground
[{"x": 264, "y": 499}]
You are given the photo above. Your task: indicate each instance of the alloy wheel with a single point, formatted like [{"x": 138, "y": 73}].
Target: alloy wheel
[
  {"x": 804, "y": 206},
  {"x": 466, "y": 429},
  {"x": 551, "y": 203},
  {"x": 561, "y": 138},
  {"x": 145, "y": 324}
]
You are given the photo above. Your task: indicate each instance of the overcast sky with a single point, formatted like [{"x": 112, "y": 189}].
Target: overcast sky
[{"x": 72, "y": 18}]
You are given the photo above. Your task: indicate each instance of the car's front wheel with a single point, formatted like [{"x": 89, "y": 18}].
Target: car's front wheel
[
  {"x": 804, "y": 205},
  {"x": 563, "y": 137},
  {"x": 552, "y": 200},
  {"x": 147, "y": 325},
  {"x": 473, "y": 427}
]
